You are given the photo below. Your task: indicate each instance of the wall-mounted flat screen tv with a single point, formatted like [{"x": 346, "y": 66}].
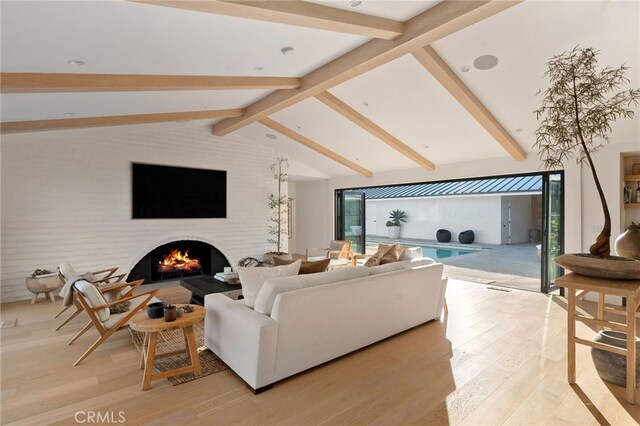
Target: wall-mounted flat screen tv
[{"x": 164, "y": 192}]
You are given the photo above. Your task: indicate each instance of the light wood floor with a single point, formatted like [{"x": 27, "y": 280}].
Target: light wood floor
[{"x": 499, "y": 358}]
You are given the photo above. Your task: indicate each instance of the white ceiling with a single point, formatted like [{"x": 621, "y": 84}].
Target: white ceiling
[{"x": 121, "y": 37}]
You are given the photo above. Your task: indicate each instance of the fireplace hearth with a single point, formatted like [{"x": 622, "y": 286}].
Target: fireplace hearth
[{"x": 179, "y": 259}]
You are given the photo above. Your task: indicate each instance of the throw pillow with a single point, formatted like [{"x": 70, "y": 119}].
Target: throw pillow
[
  {"x": 306, "y": 267},
  {"x": 118, "y": 308},
  {"x": 411, "y": 253},
  {"x": 253, "y": 278},
  {"x": 374, "y": 260},
  {"x": 391, "y": 256}
]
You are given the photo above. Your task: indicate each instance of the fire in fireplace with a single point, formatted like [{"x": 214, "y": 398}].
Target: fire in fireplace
[
  {"x": 178, "y": 259},
  {"x": 177, "y": 263}
]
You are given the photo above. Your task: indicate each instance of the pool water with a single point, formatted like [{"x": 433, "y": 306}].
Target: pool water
[{"x": 437, "y": 253}]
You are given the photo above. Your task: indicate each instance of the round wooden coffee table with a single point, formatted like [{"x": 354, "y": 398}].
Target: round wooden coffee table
[{"x": 151, "y": 327}]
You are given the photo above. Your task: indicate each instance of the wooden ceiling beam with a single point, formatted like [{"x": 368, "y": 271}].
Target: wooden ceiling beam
[
  {"x": 115, "y": 120},
  {"x": 437, "y": 22},
  {"x": 433, "y": 63},
  {"x": 292, "y": 134},
  {"x": 55, "y": 83},
  {"x": 298, "y": 13},
  {"x": 351, "y": 114}
]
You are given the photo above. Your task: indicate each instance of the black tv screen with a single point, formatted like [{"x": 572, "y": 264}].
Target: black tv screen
[{"x": 163, "y": 192}]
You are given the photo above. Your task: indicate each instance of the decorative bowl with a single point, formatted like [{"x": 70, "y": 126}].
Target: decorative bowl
[{"x": 156, "y": 310}]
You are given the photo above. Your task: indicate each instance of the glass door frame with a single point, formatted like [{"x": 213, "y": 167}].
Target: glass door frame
[
  {"x": 546, "y": 285},
  {"x": 340, "y": 214}
]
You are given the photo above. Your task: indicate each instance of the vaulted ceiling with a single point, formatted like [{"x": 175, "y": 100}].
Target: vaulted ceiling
[{"x": 385, "y": 85}]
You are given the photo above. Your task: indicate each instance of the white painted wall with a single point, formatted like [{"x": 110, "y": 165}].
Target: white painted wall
[
  {"x": 66, "y": 197},
  {"x": 481, "y": 214},
  {"x": 314, "y": 215}
]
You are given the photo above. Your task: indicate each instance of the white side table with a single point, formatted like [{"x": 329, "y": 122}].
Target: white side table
[{"x": 46, "y": 284}]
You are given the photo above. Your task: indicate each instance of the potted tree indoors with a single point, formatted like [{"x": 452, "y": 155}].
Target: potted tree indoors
[
  {"x": 396, "y": 217},
  {"x": 280, "y": 204},
  {"x": 578, "y": 109}
]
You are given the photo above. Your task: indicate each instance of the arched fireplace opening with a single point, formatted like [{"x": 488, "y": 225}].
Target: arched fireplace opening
[{"x": 179, "y": 259}]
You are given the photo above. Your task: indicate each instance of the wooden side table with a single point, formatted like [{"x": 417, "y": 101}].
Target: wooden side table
[
  {"x": 151, "y": 328},
  {"x": 630, "y": 289},
  {"x": 46, "y": 284}
]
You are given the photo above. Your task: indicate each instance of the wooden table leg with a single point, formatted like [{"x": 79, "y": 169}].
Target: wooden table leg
[
  {"x": 145, "y": 339},
  {"x": 571, "y": 336},
  {"x": 193, "y": 350},
  {"x": 600, "y": 310},
  {"x": 631, "y": 350},
  {"x": 150, "y": 358}
]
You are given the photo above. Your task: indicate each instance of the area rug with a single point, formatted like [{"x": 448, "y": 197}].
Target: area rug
[{"x": 174, "y": 340}]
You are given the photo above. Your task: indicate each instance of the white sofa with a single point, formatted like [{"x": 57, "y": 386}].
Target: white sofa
[{"x": 320, "y": 321}]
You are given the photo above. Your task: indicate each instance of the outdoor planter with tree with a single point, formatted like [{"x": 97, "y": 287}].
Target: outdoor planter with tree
[{"x": 393, "y": 225}]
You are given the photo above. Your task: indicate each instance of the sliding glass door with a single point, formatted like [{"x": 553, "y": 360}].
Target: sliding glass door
[
  {"x": 552, "y": 230},
  {"x": 350, "y": 219}
]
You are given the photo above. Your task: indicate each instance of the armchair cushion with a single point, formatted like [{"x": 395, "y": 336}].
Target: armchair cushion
[
  {"x": 94, "y": 298},
  {"x": 252, "y": 279}
]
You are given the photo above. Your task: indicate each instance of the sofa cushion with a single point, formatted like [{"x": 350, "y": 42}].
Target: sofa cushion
[
  {"x": 252, "y": 278},
  {"x": 307, "y": 266},
  {"x": 411, "y": 253},
  {"x": 274, "y": 286}
]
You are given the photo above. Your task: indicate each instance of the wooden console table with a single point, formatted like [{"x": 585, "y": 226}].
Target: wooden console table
[{"x": 630, "y": 289}]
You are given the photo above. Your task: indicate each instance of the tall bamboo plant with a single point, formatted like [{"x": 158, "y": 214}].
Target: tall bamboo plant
[
  {"x": 576, "y": 115},
  {"x": 280, "y": 204}
]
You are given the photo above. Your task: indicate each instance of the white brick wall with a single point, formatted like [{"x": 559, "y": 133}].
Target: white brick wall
[{"x": 66, "y": 196}]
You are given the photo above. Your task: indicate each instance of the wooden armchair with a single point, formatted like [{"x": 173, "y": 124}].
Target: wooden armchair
[
  {"x": 92, "y": 301},
  {"x": 69, "y": 276},
  {"x": 339, "y": 251}
]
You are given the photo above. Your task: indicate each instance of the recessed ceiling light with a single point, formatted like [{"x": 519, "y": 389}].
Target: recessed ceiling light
[
  {"x": 354, "y": 3},
  {"x": 287, "y": 50},
  {"x": 258, "y": 68},
  {"x": 365, "y": 103},
  {"x": 68, "y": 114},
  {"x": 465, "y": 68},
  {"x": 357, "y": 159},
  {"x": 519, "y": 129},
  {"x": 485, "y": 62},
  {"x": 271, "y": 136},
  {"x": 426, "y": 146},
  {"x": 298, "y": 127},
  {"x": 76, "y": 62}
]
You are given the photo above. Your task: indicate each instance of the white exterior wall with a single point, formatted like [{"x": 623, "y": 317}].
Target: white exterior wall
[
  {"x": 481, "y": 214},
  {"x": 66, "y": 197}
]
